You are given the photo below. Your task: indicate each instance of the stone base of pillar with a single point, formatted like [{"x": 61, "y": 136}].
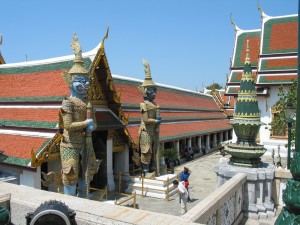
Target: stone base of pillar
[
  {"x": 110, "y": 182},
  {"x": 258, "y": 179}
]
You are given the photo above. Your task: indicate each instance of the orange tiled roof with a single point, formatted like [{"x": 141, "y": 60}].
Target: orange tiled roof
[
  {"x": 240, "y": 47},
  {"x": 180, "y": 114},
  {"x": 18, "y": 148},
  {"x": 174, "y": 131},
  {"x": 40, "y": 84},
  {"x": 280, "y": 35},
  {"x": 166, "y": 97},
  {"x": 29, "y": 114},
  {"x": 278, "y": 53},
  {"x": 197, "y": 113}
]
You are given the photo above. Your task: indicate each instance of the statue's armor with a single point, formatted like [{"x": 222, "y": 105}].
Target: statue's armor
[
  {"x": 73, "y": 141},
  {"x": 148, "y": 131}
]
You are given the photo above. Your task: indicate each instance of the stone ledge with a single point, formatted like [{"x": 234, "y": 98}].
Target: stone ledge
[
  {"x": 25, "y": 199},
  {"x": 282, "y": 173},
  {"x": 212, "y": 202}
]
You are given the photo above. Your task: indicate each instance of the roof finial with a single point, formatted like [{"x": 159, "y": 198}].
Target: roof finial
[
  {"x": 247, "y": 59},
  {"x": 262, "y": 14},
  {"x": 236, "y": 28},
  {"x": 148, "y": 79},
  {"x": 0, "y": 38},
  {"x": 107, "y": 30},
  {"x": 106, "y": 35}
]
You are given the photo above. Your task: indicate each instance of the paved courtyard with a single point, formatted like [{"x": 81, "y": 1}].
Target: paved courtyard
[{"x": 202, "y": 183}]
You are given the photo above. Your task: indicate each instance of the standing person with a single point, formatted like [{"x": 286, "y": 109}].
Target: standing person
[
  {"x": 184, "y": 176},
  {"x": 183, "y": 193}
]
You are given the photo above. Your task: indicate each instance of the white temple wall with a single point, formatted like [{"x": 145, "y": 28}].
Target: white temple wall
[
  {"x": 55, "y": 166},
  {"x": 31, "y": 178},
  {"x": 121, "y": 161},
  {"x": 265, "y": 104}
]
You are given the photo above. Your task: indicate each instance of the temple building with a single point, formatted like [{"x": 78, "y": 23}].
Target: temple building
[
  {"x": 32, "y": 94},
  {"x": 273, "y": 52},
  {"x": 1, "y": 58}
]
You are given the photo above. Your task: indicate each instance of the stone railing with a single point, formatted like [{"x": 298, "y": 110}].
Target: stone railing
[
  {"x": 281, "y": 177},
  {"x": 223, "y": 206},
  {"x": 88, "y": 212}
]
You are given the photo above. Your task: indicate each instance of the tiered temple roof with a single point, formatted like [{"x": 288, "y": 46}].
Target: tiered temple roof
[
  {"x": 184, "y": 113},
  {"x": 33, "y": 91},
  {"x": 273, "y": 53},
  {"x": 30, "y": 100}
]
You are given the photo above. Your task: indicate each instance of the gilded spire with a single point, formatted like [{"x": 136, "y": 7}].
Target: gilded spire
[
  {"x": 76, "y": 48},
  {"x": 0, "y": 38},
  {"x": 247, "y": 59},
  {"x": 148, "y": 79},
  {"x": 78, "y": 66}
]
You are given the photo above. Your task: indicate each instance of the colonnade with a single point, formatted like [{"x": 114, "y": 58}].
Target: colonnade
[{"x": 200, "y": 144}]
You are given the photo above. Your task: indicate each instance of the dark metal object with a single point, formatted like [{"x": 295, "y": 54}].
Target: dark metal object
[{"x": 51, "y": 212}]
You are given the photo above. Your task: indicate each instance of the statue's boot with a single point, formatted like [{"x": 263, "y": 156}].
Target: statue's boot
[
  {"x": 81, "y": 189},
  {"x": 70, "y": 190}
]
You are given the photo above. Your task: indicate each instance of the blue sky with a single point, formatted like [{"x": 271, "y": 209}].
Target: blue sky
[{"x": 187, "y": 43}]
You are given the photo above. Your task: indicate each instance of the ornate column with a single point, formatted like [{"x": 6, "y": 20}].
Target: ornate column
[
  {"x": 189, "y": 142},
  {"x": 215, "y": 144},
  {"x": 177, "y": 146},
  {"x": 250, "y": 195},
  {"x": 207, "y": 143},
  {"x": 226, "y": 135},
  {"x": 268, "y": 191},
  {"x": 109, "y": 162},
  {"x": 261, "y": 179},
  {"x": 162, "y": 159},
  {"x": 221, "y": 137},
  {"x": 199, "y": 142}
]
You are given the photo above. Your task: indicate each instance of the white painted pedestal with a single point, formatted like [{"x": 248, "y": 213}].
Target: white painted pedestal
[{"x": 156, "y": 188}]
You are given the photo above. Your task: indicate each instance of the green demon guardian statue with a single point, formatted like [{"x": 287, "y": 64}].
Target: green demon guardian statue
[{"x": 148, "y": 135}]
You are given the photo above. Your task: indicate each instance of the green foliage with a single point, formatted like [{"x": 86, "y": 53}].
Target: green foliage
[
  {"x": 170, "y": 153},
  {"x": 286, "y": 94},
  {"x": 214, "y": 86}
]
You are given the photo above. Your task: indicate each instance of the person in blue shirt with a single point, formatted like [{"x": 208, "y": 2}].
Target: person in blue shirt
[{"x": 184, "y": 176}]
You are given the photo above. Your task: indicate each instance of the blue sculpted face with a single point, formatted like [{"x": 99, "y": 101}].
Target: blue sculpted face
[
  {"x": 150, "y": 93},
  {"x": 80, "y": 84}
]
